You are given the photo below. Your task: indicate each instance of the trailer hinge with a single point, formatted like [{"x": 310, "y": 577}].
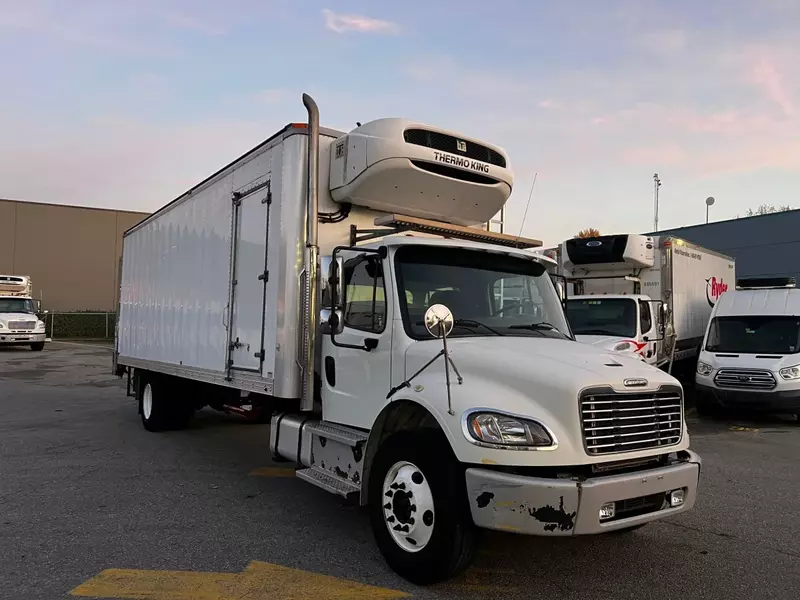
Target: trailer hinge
[
  {"x": 234, "y": 282},
  {"x": 268, "y": 198},
  {"x": 260, "y": 355},
  {"x": 264, "y": 276},
  {"x": 237, "y": 198}
]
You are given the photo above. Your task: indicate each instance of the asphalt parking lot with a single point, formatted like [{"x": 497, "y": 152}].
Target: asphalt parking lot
[{"x": 92, "y": 505}]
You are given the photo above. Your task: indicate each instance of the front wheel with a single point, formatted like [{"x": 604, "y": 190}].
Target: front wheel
[
  {"x": 37, "y": 346},
  {"x": 418, "y": 508}
]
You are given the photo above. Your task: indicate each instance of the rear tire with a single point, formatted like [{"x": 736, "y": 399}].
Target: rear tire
[
  {"x": 37, "y": 346},
  {"x": 160, "y": 408},
  {"x": 418, "y": 507}
]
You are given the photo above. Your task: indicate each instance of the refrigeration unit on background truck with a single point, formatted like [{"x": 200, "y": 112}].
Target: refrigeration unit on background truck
[
  {"x": 650, "y": 296},
  {"x": 369, "y": 311}
]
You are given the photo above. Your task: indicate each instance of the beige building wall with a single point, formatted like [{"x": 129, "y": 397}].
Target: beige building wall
[{"x": 71, "y": 253}]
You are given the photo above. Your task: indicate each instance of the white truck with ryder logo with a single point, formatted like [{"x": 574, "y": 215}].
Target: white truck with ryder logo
[
  {"x": 416, "y": 362},
  {"x": 647, "y": 295},
  {"x": 19, "y": 322}
]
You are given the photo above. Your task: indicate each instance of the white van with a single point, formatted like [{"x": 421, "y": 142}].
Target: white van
[{"x": 750, "y": 356}]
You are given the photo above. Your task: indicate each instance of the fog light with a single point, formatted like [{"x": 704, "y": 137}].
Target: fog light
[
  {"x": 676, "y": 498},
  {"x": 607, "y": 511}
]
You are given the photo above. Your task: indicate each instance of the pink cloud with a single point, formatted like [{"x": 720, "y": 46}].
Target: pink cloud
[
  {"x": 766, "y": 75},
  {"x": 659, "y": 155},
  {"x": 357, "y": 23}
]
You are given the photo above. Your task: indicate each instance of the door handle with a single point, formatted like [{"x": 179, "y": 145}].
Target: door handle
[{"x": 225, "y": 316}]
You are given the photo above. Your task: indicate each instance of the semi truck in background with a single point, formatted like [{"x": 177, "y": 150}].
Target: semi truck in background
[
  {"x": 750, "y": 358},
  {"x": 410, "y": 359},
  {"x": 647, "y": 295},
  {"x": 19, "y": 321}
]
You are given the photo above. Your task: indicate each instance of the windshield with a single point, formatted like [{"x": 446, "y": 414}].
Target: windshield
[
  {"x": 602, "y": 316},
  {"x": 489, "y": 294},
  {"x": 16, "y": 305},
  {"x": 754, "y": 335}
]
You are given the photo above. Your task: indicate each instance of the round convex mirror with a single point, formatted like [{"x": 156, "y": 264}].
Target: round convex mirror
[{"x": 439, "y": 320}]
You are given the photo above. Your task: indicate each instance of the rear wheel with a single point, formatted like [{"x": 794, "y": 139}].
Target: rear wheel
[
  {"x": 418, "y": 508},
  {"x": 161, "y": 409}
]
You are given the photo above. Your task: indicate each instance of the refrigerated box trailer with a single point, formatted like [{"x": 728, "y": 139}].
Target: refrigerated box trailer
[
  {"x": 365, "y": 311},
  {"x": 647, "y": 295}
]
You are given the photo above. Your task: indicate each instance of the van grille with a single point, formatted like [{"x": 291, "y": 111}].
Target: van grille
[
  {"x": 449, "y": 143},
  {"x": 614, "y": 422},
  {"x": 745, "y": 379}
]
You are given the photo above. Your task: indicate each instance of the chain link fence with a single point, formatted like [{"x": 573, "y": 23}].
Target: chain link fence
[{"x": 80, "y": 325}]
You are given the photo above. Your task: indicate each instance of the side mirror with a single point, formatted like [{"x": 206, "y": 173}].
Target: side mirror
[
  {"x": 331, "y": 321},
  {"x": 439, "y": 321},
  {"x": 560, "y": 291},
  {"x": 664, "y": 313}
]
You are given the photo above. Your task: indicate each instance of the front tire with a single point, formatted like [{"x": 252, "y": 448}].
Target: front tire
[
  {"x": 418, "y": 508},
  {"x": 37, "y": 346}
]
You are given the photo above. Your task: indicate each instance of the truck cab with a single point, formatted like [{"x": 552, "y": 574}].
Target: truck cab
[
  {"x": 750, "y": 356},
  {"x": 629, "y": 324},
  {"x": 19, "y": 321}
]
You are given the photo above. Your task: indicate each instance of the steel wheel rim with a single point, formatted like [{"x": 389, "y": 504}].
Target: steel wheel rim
[
  {"x": 147, "y": 401},
  {"x": 408, "y": 509}
]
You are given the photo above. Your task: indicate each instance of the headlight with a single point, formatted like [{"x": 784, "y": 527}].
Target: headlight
[
  {"x": 790, "y": 372},
  {"x": 504, "y": 430},
  {"x": 40, "y": 325},
  {"x": 703, "y": 368},
  {"x": 2, "y": 326}
]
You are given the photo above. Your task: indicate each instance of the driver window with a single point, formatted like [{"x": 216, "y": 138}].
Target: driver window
[
  {"x": 365, "y": 300},
  {"x": 645, "y": 318}
]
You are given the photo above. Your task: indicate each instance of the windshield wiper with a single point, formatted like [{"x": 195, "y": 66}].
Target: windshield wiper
[{"x": 473, "y": 323}]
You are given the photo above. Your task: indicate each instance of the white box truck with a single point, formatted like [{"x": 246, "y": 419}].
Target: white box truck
[
  {"x": 647, "y": 295},
  {"x": 750, "y": 357},
  {"x": 366, "y": 308},
  {"x": 19, "y": 322}
]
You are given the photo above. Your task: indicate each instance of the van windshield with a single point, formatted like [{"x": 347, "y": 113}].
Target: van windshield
[
  {"x": 489, "y": 294},
  {"x": 16, "y": 305},
  {"x": 754, "y": 335},
  {"x": 602, "y": 316}
]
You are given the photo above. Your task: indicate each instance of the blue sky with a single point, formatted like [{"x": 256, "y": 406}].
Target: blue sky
[{"x": 127, "y": 104}]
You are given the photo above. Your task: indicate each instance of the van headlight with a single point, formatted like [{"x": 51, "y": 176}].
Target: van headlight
[
  {"x": 790, "y": 372},
  {"x": 505, "y": 430},
  {"x": 704, "y": 368}
]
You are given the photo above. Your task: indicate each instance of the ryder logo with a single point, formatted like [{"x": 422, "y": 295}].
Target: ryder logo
[{"x": 714, "y": 289}]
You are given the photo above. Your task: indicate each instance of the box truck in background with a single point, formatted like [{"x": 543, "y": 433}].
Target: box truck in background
[
  {"x": 19, "y": 321},
  {"x": 367, "y": 308},
  {"x": 650, "y": 295}
]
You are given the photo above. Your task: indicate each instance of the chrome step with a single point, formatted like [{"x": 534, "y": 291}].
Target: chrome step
[
  {"x": 327, "y": 482},
  {"x": 339, "y": 433}
]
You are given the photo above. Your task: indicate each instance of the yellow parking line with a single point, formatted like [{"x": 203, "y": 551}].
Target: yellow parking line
[{"x": 258, "y": 581}]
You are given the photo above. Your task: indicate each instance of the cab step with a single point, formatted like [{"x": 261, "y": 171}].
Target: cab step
[
  {"x": 327, "y": 482},
  {"x": 337, "y": 433}
]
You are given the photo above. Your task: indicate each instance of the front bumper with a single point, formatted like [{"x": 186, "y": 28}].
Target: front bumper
[
  {"x": 7, "y": 338},
  {"x": 767, "y": 401},
  {"x": 563, "y": 507}
]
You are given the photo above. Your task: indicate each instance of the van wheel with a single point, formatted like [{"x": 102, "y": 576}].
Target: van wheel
[
  {"x": 160, "y": 409},
  {"x": 706, "y": 406},
  {"x": 418, "y": 508},
  {"x": 37, "y": 346}
]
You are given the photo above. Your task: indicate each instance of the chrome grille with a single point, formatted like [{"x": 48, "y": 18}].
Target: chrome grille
[
  {"x": 21, "y": 324},
  {"x": 615, "y": 422},
  {"x": 745, "y": 379}
]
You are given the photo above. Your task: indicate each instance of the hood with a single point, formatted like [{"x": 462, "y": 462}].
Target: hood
[
  {"x": 769, "y": 362},
  {"x": 608, "y": 342},
  {"x": 532, "y": 376},
  {"x": 26, "y": 317}
]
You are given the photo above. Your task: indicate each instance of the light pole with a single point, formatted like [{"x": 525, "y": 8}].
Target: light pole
[
  {"x": 709, "y": 203},
  {"x": 656, "y": 185}
]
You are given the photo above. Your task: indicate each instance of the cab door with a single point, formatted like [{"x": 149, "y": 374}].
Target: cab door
[{"x": 356, "y": 361}]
